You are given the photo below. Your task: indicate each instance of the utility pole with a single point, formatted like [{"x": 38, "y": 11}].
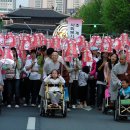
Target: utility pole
[{"x": 28, "y": 27}]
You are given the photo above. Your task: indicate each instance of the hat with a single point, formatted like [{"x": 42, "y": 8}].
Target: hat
[{"x": 94, "y": 48}]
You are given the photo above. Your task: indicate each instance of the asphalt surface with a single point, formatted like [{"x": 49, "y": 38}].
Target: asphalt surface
[{"x": 77, "y": 119}]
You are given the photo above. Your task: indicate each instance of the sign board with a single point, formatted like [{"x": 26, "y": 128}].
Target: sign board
[{"x": 74, "y": 28}]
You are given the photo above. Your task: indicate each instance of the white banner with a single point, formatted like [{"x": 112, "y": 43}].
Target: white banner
[{"x": 74, "y": 28}]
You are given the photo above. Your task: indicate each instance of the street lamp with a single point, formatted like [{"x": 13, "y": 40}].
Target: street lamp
[{"x": 28, "y": 27}]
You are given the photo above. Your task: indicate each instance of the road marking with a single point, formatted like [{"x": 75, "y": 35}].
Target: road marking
[{"x": 31, "y": 123}]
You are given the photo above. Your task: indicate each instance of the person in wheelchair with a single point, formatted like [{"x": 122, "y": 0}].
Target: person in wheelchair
[
  {"x": 53, "y": 81},
  {"x": 125, "y": 90}
]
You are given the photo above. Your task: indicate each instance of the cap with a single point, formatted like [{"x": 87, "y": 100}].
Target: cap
[{"x": 94, "y": 48}]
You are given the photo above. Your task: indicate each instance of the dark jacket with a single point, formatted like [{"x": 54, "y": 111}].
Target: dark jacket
[{"x": 100, "y": 73}]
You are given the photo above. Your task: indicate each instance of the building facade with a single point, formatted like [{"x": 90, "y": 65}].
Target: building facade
[
  {"x": 50, "y": 3},
  {"x": 62, "y": 6},
  {"x": 59, "y": 5},
  {"x": 34, "y": 20},
  {"x": 7, "y": 6},
  {"x": 73, "y": 5},
  {"x": 41, "y": 3},
  {"x": 36, "y": 3}
]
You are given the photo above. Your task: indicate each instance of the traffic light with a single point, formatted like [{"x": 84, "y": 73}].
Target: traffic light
[{"x": 94, "y": 25}]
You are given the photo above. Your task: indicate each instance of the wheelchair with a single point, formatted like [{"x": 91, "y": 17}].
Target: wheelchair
[
  {"x": 122, "y": 108},
  {"x": 45, "y": 107},
  {"x": 107, "y": 106}
]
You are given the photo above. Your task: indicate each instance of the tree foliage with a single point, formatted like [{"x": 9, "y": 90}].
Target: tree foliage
[
  {"x": 116, "y": 15},
  {"x": 90, "y": 13},
  {"x": 113, "y": 14},
  {"x": 1, "y": 24}
]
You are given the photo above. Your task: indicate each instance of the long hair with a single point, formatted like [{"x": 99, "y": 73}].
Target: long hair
[
  {"x": 16, "y": 54},
  {"x": 110, "y": 63},
  {"x": 56, "y": 71}
]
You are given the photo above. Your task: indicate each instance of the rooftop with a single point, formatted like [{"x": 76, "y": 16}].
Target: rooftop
[{"x": 36, "y": 12}]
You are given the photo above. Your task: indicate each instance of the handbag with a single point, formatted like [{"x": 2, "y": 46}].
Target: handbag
[
  {"x": 10, "y": 74},
  {"x": 23, "y": 74}
]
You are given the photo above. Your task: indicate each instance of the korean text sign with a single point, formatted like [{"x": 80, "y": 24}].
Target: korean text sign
[{"x": 74, "y": 28}]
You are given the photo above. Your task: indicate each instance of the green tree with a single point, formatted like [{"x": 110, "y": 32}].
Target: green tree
[
  {"x": 91, "y": 14},
  {"x": 1, "y": 24},
  {"x": 116, "y": 15}
]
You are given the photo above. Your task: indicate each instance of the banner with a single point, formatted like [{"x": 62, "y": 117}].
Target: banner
[{"x": 74, "y": 28}]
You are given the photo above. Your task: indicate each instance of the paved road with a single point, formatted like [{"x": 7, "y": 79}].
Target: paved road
[{"x": 28, "y": 117}]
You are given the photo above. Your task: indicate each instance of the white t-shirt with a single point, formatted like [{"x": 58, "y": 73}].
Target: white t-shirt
[
  {"x": 74, "y": 74},
  {"x": 82, "y": 78},
  {"x": 50, "y": 80},
  {"x": 60, "y": 59},
  {"x": 33, "y": 75}
]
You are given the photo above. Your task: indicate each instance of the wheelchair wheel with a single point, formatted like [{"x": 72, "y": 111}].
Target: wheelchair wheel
[
  {"x": 116, "y": 111},
  {"x": 64, "y": 110},
  {"x": 116, "y": 115},
  {"x": 42, "y": 110}
]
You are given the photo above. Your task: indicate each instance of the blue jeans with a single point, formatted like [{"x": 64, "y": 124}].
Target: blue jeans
[{"x": 13, "y": 88}]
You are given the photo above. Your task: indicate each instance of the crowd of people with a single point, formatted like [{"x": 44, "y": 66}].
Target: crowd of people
[{"x": 22, "y": 83}]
